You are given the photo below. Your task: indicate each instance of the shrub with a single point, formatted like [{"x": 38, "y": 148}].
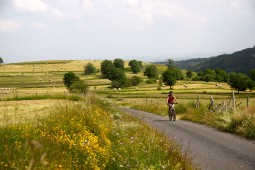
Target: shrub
[{"x": 151, "y": 81}]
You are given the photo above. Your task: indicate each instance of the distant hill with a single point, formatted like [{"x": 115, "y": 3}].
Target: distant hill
[
  {"x": 240, "y": 62},
  {"x": 189, "y": 64}
]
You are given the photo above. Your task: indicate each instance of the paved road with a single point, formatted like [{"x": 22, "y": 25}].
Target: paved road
[{"x": 212, "y": 150}]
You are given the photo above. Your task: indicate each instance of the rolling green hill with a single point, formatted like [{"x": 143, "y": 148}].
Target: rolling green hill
[{"x": 240, "y": 62}]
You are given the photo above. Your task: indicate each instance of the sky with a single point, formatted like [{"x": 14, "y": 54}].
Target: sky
[{"x": 147, "y": 30}]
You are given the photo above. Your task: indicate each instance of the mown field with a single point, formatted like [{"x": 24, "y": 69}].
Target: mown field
[{"x": 43, "y": 126}]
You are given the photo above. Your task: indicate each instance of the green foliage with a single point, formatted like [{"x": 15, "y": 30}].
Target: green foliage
[
  {"x": 151, "y": 71},
  {"x": 69, "y": 79},
  {"x": 151, "y": 81},
  {"x": 89, "y": 69},
  {"x": 134, "y": 81},
  {"x": 252, "y": 74},
  {"x": 189, "y": 73},
  {"x": 106, "y": 67},
  {"x": 169, "y": 78},
  {"x": 119, "y": 63},
  {"x": 118, "y": 77},
  {"x": 135, "y": 66},
  {"x": 239, "y": 62},
  {"x": 170, "y": 64},
  {"x": 250, "y": 85},
  {"x": 1, "y": 60},
  {"x": 189, "y": 64},
  {"x": 210, "y": 75},
  {"x": 79, "y": 87},
  {"x": 239, "y": 81}
]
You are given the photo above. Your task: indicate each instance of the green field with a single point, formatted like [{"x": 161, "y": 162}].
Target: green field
[{"x": 34, "y": 103}]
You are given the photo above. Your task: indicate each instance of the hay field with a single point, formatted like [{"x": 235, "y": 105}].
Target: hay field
[{"x": 18, "y": 112}]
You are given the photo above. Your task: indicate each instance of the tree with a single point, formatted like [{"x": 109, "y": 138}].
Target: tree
[
  {"x": 119, "y": 63},
  {"x": 106, "y": 67},
  {"x": 169, "y": 78},
  {"x": 89, "y": 69},
  {"x": 238, "y": 81},
  {"x": 251, "y": 85},
  {"x": 135, "y": 66},
  {"x": 170, "y": 64},
  {"x": 177, "y": 73},
  {"x": 69, "y": 79},
  {"x": 1, "y": 60},
  {"x": 189, "y": 73},
  {"x": 79, "y": 87},
  {"x": 118, "y": 77},
  {"x": 208, "y": 75},
  {"x": 252, "y": 74},
  {"x": 151, "y": 71},
  {"x": 221, "y": 75},
  {"x": 135, "y": 80}
]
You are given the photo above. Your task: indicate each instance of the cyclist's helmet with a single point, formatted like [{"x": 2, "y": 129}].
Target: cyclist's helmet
[{"x": 171, "y": 92}]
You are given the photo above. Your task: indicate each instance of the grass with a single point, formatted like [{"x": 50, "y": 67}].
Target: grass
[
  {"x": 87, "y": 134},
  {"x": 240, "y": 122}
]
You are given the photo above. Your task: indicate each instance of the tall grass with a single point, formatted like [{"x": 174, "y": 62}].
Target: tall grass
[
  {"x": 88, "y": 134},
  {"x": 240, "y": 122}
]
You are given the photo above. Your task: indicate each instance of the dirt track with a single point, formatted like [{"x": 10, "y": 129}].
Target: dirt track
[{"x": 211, "y": 149}]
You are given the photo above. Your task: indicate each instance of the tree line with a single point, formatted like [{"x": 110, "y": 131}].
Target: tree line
[
  {"x": 115, "y": 71},
  {"x": 237, "y": 81}
]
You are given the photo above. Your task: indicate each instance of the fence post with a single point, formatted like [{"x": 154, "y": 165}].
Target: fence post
[
  {"x": 248, "y": 100},
  {"x": 234, "y": 101},
  {"x": 197, "y": 105},
  {"x": 212, "y": 103}
]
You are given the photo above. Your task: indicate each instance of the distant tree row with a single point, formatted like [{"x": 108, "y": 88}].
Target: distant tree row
[
  {"x": 237, "y": 81},
  {"x": 115, "y": 72},
  {"x": 1, "y": 60}
]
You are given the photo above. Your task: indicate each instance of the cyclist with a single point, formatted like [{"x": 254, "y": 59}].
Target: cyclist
[{"x": 171, "y": 100}]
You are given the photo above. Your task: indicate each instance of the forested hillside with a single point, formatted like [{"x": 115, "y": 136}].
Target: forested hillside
[
  {"x": 242, "y": 62},
  {"x": 189, "y": 64}
]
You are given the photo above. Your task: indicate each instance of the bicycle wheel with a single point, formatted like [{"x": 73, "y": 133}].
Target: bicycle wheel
[
  {"x": 174, "y": 116},
  {"x": 170, "y": 114}
]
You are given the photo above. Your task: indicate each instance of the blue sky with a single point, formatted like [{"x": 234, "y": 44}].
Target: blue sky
[{"x": 147, "y": 30}]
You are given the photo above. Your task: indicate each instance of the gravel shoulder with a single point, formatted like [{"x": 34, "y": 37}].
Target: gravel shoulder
[{"x": 210, "y": 148}]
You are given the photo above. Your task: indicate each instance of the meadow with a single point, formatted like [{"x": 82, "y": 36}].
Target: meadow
[{"x": 43, "y": 126}]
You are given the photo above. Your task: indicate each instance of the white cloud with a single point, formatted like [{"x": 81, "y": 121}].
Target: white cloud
[
  {"x": 31, "y": 5},
  {"x": 40, "y": 26},
  {"x": 9, "y": 26},
  {"x": 38, "y": 6},
  {"x": 87, "y": 4},
  {"x": 57, "y": 14}
]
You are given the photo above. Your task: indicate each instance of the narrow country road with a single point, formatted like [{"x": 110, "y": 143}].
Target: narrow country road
[{"x": 211, "y": 149}]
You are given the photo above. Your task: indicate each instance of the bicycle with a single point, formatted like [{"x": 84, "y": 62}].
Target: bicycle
[{"x": 171, "y": 111}]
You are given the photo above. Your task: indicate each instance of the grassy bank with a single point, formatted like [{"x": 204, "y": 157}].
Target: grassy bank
[
  {"x": 87, "y": 134},
  {"x": 240, "y": 122}
]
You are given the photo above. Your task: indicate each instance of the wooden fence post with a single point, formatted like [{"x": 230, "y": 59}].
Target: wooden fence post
[
  {"x": 212, "y": 103},
  {"x": 234, "y": 101},
  {"x": 248, "y": 100},
  {"x": 197, "y": 105}
]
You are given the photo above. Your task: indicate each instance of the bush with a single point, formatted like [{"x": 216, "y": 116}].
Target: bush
[
  {"x": 89, "y": 69},
  {"x": 151, "y": 81},
  {"x": 79, "y": 87}
]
